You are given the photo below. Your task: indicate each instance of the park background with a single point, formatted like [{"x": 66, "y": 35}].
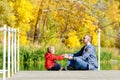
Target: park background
[{"x": 63, "y": 24}]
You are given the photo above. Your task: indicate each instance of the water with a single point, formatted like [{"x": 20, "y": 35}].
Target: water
[{"x": 40, "y": 66}]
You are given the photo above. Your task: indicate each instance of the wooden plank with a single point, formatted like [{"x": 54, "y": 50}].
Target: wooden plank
[{"x": 66, "y": 75}]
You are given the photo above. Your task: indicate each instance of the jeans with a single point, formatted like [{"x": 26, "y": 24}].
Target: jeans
[{"x": 77, "y": 64}]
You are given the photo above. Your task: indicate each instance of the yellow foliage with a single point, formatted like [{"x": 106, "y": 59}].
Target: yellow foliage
[
  {"x": 73, "y": 33},
  {"x": 72, "y": 41},
  {"x": 91, "y": 1},
  {"x": 13, "y": 17},
  {"x": 23, "y": 15},
  {"x": 72, "y": 19},
  {"x": 24, "y": 11},
  {"x": 23, "y": 40},
  {"x": 90, "y": 27},
  {"x": 113, "y": 12},
  {"x": 95, "y": 38},
  {"x": 54, "y": 41}
]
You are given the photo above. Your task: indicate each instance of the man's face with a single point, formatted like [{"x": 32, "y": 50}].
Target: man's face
[{"x": 86, "y": 39}]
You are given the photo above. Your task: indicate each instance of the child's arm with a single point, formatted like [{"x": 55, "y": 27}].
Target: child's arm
[{"x": 59, "y": 57}]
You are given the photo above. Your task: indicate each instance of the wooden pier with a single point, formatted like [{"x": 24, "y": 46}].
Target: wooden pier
[{"x": 67, "y": 75}]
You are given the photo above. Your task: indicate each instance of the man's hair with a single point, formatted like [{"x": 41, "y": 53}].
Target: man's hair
[{"x": 89, "y": 36}]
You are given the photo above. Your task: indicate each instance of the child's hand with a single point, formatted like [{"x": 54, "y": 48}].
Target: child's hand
[{"x": 66, "y": 55}]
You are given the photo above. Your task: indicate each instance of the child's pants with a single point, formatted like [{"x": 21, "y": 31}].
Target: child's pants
[{"x": 55, "y": 67}]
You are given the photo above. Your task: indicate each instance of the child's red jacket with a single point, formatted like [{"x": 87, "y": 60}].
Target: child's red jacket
[{"x": 50, "y": 59}]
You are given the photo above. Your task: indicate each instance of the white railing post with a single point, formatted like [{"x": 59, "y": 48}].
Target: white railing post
[
  {"x": 15, "y": 49},
  {"x": 13, "y": 56},
  {"x": 12, "y": 60},
  {"x": 4, "y": 54},
  {"x": 99, "y": 49},
  {"x": 18, "y": 55},
  {"x": 8, "y": 52}
]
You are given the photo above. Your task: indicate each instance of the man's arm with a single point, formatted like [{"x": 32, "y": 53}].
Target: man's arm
[
  {"x": 79, "y": 53},
  {"x": 86, "y": 53}
]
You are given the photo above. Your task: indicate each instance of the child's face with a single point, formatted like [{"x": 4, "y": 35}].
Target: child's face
[{"x": 52, "y": 50}]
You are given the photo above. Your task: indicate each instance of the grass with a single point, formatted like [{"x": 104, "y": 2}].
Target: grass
[
  {"x": 30, "y": 55},
  {"x": 105, "y": 55}
]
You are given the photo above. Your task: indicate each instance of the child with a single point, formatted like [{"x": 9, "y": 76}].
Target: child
[{"x": 50, "y": 59}]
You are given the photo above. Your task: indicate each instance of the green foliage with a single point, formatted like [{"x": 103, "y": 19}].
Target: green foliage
[
  {"x": 105, "y": 55},
  {"x": 32, "y": 58},
  {"x": 106, "y": 66},
  {"x": 31, "y": 55},
  {"x": 108, "y": 41}
]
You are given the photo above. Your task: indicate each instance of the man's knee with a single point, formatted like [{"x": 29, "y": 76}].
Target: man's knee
[
  {"x": 81, "y": 64},
  {"x": 77, "y": 59}
]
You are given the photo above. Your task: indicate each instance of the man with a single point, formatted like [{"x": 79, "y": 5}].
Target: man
[{"x": 85, "y": 59}]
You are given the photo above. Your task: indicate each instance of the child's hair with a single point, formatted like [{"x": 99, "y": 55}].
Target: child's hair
[{"x": 49, "y": 48}]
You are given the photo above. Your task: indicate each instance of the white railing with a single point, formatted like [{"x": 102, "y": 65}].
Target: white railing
[
  {"x": 99, "y": 49},
  {"x": 13, "y": 51}
]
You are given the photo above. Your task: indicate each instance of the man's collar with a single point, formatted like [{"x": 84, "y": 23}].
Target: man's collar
[{"x": 88, "y": 43}]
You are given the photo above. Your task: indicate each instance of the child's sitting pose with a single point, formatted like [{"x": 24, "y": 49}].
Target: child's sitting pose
[{"x": 50, "y": 59}]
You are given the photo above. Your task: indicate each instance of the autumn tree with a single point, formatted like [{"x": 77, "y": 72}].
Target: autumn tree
[
  {"x": 6, "y": 15},
  {"x": 63, "y": 21},
  {"x": 23, "y": 16}
]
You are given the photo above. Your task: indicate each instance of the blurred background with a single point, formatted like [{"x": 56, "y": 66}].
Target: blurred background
[{"x": 63, "y": 24}]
